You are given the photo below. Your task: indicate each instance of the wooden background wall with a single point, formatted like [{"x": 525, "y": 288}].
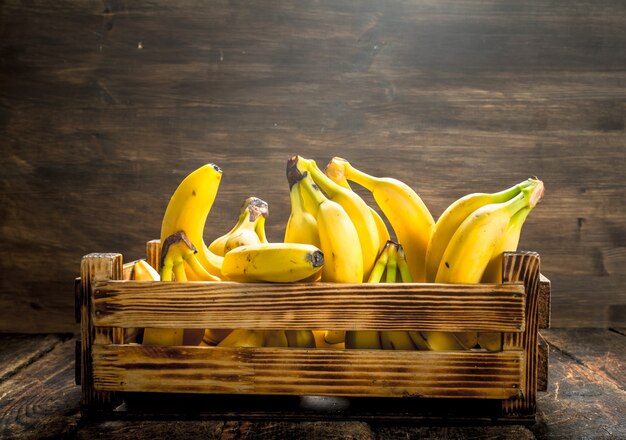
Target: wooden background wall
[{"x": 106, "y": 106}]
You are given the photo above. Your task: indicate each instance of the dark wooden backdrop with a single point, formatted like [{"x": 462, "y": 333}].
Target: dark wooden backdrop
[{"x": 106, "y": 106}]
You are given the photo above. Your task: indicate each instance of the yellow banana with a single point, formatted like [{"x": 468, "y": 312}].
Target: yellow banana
[
  {"x": 357, "y": 210},
  {"x": 243, "y": 338},
  {"x": 301, "y": 226},
  {"x": 322, "y": 342},
  {"x": 142, "y": 271},
  {"x": 300, "y": 338},
  {"x": 273, "y": 262},
  {"x": 214, "y": 336},
  {"x": 474, "y": 242},
  {"x": 363, "y": 340},
  {"x": 493, "y": 273},
  {"x": 188, "y": 210},
  {"x": 370, "y": 339},
  {"x": 339, "y": 240},
  {"x": 397, "y": 266},
  {"x": 275, "y": 338},
  {"x": 335, "y": 173},
  {"x": 405, "y": 210},
  {"x": 178, "y": 258},
  {"x": 333, "y": 337},
  {"x": 396, "y": 340},
  {"x": 453, "y": 216},
  {"x": 470, "y": 250},
  {"x": 252, "y": 217}
]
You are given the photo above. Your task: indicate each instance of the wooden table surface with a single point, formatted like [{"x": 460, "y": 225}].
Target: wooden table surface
[{"x": 586, "y": 398}]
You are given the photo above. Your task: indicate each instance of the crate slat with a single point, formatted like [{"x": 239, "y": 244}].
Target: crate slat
[
  {"x": 218, "y": 370},
  {"x": 428, "y": 307}
]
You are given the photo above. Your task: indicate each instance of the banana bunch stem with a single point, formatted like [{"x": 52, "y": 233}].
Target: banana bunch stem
[{"x": 390, "y": 266}]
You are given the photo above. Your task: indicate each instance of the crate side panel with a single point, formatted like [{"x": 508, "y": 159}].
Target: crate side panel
[
  {"x": 428, "y": 307},
  {"x": 242, "y": 370}
]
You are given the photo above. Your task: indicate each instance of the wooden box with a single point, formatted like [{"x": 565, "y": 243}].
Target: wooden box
[{"x": 129, "y": 379}]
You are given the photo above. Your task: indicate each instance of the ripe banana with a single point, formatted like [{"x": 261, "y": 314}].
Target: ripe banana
[
  {"x": 188, "y": 210},
  {"x": 142, "y": 271},
  {"x": 474, "y": 242},
  {"x": 493, "y": 273},
  {"x": 371, "y": 339},
  {"x": 178, "y": 258},
  {"x": 252, "y": 217},
  {"x": 322, "y": 342},
  {"x": 300, "y": 338},
  {"x": 470, "y": 249},
  {"x": 397, "y": 265},
  {"x": 335, "y": 173},
  {"x": 243, "y": 338},
  {"x": 276, "y": 338},
  {"x": 405, "y": 210},
  {"x": 301, "y": 226},
  {"x": 213, "y": 337},
  {"x": 453, "y": 216},
  {"x": 339, "y": 240},
  {"x": 355, "y": 207},
  {"x": 273, "y": 262}
]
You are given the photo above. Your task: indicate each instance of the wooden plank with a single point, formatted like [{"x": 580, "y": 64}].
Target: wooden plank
[
  {"x": 544, "y": 302},
  {"x": 524, "y": 267},
  {"x": 600, "y": 350},
  {"x": 220, "y": 370},
  {"x": 314, "y": 306},
  {"x": 93, "y": 267},
  {"x": 18, "y": 351},
  {"x": 40, "y": 400},
  {"x": 582, "y": 401},
  {"x": 543, "y": 363}
]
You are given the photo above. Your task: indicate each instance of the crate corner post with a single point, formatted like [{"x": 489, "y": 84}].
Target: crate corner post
[
  {"x": 95, "y": 267},
  {"x": 524, "y": 267}
]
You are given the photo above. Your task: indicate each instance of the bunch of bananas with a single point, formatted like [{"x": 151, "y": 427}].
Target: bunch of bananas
[
  {"x": 391, "y": 267},
  {"x": 467, "y": 245},
  {"x": 332, "y": 235}
]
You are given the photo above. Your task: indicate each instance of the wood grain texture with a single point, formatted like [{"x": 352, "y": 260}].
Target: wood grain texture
[
  {"x": 587, "y": 392},
  {"x": 243, "y": 370},
  {"x": 95, "y": 267},
  {"x": 18, "y": 351},
  {"x": 106, "y": 106},
  {"x": 40, "y": 401},
  {"x": 311, "y": 306},
  {"x": 544, "y": 302},
  {"x": 524, "y": 267}
]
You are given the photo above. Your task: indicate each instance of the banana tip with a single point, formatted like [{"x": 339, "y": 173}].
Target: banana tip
[
  {"x": 537, "y": 194},
  {"x": 316, "y": 258},
  {"x": 294, "y": 175}
]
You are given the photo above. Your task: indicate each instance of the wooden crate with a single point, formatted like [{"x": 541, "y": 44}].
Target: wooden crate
[{"x": 180, "y": 381}]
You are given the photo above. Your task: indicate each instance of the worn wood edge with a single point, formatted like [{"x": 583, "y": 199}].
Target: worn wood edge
[
  {"x": 96, "y": 266},
  {"x": 290, "y": 371},
  {"x": 415, "y": 306},
  {"x": 457, "y": 412},
  {"x": 524, "y": 267},
  {"x": 543, "y": 360},
  {"x": 544, "y": 302}
]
